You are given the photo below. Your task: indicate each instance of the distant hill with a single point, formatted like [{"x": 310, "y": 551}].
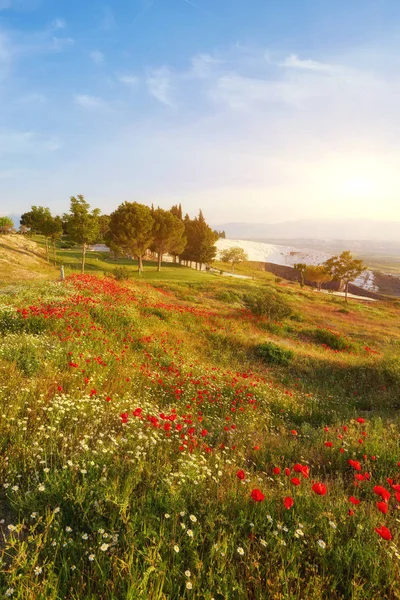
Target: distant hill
[{"x": 317, "y": 229}]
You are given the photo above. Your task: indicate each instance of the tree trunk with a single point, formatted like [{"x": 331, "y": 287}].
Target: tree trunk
[
  {"x": 233, "y": 267},
  {"x": 47, "y": 250},
  {"x": 346, "y": 290},
  {"x": 159, "y": 261},
  {"x": 84, "y": 248},
  {"x": 140, "y": 264},
  {"x": 55, "y": 252}
]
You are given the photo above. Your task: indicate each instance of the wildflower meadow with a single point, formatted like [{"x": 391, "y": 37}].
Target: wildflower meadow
[{"x": 154, "y": 446}]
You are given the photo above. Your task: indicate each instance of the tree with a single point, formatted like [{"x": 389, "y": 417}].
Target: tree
[
  {"x": 204, "y": 241},
  {"x": 55, "y": 231},
  {"x": 131, "y": 230},
  {"x": 300, "y": 267},
  {"x": 234, "y": 256},
  {"x": 317, "y": 274},
  {"x": 6, "y": 225},
  {"x": 168, "y": 234},
  {"x": 104, "y": 224},
  {"x": 176, "y": 210},
  {"x": 39, "y": 220},
  {"x": 221, "y": 234},
  {"x": 82, "y": 224},
  {"x": 344, "y": 268}
]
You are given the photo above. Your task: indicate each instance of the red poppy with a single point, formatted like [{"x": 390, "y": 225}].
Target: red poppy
[
  {"x": 360, "y": 420},
  {"x": 319, "y": 488},
  {"x": 288, "y": 502},
  {"x": 293, "y": 432},
  {"x": 240, "y": 474},
  {"x": 397, "y": 494},
  {"x": 355, "y": 464},
  {"x": 382, "y": 506},
  {"x": 384, "y": 532},
  {"x": 303, "y": 469},
  {"x": 257, "y": 495},
  {"x": 287, "y": 472},
  {"x": 382, "y": 492},
  {"x": 295, "y": 481},
  {"x": 354, "y": 500},
  {"x": 396, "y": 487},
  {"x": 350, "y": 513},
  {"x": 276, "y": 470},
  {"x": 328, "y": 444},
  {"x": 137, "y": 412}
]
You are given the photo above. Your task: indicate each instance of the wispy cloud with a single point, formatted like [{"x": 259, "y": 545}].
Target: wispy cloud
[
  {"x": 27, "y": 142},
  {"x": 129, "y": 80},
  {"x": 87, "y": 101},
  {"x": 107, "y": 18},
  {"x": 59, "y": 24},
  {"x": 294, "y": 62},
  {"x": 97, "y": 56},
  {"x": 159, "y": 85},
  {"x": 59, "y": 44}
]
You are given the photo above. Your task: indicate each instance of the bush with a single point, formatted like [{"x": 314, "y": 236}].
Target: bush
[
  {"x": 275, "y": 354},
  {"x": 121, "y": 273},
  {"x": 334, "y": 340},
  {"x": 269, "y": 304}
]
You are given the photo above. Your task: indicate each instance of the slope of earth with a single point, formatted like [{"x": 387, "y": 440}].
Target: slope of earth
[
  {"x": 22, "y": 260},
  {"x": 161, "y": 441}
]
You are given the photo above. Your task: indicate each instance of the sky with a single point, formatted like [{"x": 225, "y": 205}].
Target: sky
[{"x": 253, "y": 110}]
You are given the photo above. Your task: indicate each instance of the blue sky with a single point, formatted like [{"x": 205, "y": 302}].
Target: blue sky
[{"x": 254, "y": 110}]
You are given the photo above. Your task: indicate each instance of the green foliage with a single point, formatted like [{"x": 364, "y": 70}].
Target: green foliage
[
  {"x": 6, "y": 225},
  {"x": 82, "y": 224},
  {"x": 273, "y": 353},
  {"x": 333, "y": 339},
  {"x": 268, "y": 304},
  {"x": 131, "y": 230},
  {"x": 200, "y": 247},
  {"x": 300, "y": 268},
  {"x": 13, "y": 322},
  {"x": 121, "y": 273},
  {"x": 344, "y": 268},
  {"x": 317, "y": 274},
  {"x": 168, "y": 234},
  {"x": 234, "y": 255}
]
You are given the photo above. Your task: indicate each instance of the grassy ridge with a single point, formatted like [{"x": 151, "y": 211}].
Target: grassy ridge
[{"x": 140, "y": 419}]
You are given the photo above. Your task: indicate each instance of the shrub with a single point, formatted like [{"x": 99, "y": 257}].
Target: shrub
[
  {"x": 330, "y": 338},
  {"x": 121, "y": 273},
  {"x": 275, "y": 354},
  {"x": 269, "y": 304}
]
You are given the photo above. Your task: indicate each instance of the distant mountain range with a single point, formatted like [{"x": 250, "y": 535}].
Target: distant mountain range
[{"x": 317, "y": 229}]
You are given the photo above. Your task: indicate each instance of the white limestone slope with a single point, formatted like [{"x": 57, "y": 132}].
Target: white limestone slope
[{"x": 288, "y": 256}]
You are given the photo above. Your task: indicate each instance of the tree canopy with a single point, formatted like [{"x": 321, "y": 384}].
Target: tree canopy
[
  {"x": 82, "y": 224},
  {"x": 344, "y": 268},
  {"x": 234, "y": 255},
  {"x": 131, "y": 230}
]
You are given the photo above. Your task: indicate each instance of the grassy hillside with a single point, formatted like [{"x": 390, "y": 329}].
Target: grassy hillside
[
  {"x": 159, "y": 440},
  {"x": 22, "y": 259}
]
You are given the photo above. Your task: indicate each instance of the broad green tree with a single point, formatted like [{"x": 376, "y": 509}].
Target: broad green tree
[
  {"x": 40, "y": 220},
  {"x": 82, "y": 224},
  {"x": 6, "y": 225},
  {"x": 317, "y": 274},
  {"x": 168, "y": 234},
  {"x": 300, "y": 268},
  {"x": 131, "y": 230},
  {"x": 234, "y": 255},
  {"x": 344, "y": 268}
]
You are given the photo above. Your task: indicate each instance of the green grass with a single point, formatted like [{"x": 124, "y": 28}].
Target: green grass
[{"x": 102, "y": 500}]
